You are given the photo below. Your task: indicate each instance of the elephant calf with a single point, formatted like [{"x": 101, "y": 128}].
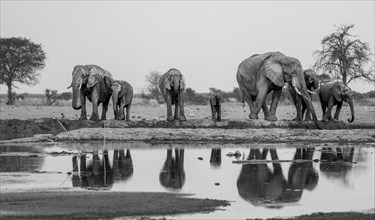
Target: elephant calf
[
  {"x": 215, "y": 103},
  {"x": 122, "y": 97},
  {"x": 335, "y": 93}
]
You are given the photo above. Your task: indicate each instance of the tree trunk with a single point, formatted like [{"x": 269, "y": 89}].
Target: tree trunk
[{"x": 10, "y": 98}]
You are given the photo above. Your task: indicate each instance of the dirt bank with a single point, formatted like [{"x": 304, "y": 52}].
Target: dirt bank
[
  {"x": 99, "y": 204},
  {"x": 15, "y": 128}
]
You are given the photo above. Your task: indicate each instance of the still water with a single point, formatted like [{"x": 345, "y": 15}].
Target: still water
[{"x": 278, "y": 180}]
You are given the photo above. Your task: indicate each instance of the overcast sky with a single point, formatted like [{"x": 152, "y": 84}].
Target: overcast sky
[{"x": 205, "y": 40}]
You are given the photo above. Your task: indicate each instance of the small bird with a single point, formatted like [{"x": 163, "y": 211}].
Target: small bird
[{"x": 62, "y": 115}]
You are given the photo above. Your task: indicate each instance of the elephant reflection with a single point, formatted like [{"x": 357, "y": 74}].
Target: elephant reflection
[
  {"x": 99, "y": 174},
  {"x": 261, "y": 186},
  {"x": 172, "y": 176},
  {"x": 336, "y": 162},
  {"x": 215, "y": 159},
  {"x": 122, "y": 165}
]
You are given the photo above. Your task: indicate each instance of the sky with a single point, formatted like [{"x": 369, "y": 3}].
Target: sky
[{"x": 205, "y": 40}]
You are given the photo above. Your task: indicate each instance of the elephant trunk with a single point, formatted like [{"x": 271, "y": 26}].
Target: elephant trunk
[
  {"x": 176, "y": 83},
  {"x": 114, "y": 103},
  {"x": 76, "y": 95},
  {"x": 350, "y": 102},
  {"x": 303, "y": 91}
]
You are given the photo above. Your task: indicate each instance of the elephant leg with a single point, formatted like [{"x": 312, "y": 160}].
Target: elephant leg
[
  {"x": 168, "y": 101},
  {"x": 127, "y": 118},
  {"x": 261, "y": 97},
  {"x": 219, "y": 113},
  {"x": 121, "y": 107},
  {"x": 298, "y": 108},
  {"x": 275, "y": 101},
  {"x": 324, "y": 108},
  {"x": 82, "y": 98},
  {"x": 213, "y": 112},
  {"x": 327, "y": 115},
  {"x": 104, "y": 109},
  {"x": 181, "y": 106},
  {"x": 337, "y": 113},
  {"x": 176, "y": 110},
  {"x": 308, "y": 113},
  {"x": 95, "y": 104}
]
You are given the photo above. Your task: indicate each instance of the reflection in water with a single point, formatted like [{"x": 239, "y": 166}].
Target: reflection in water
[
  {"x": 261, "y": 186},
  {"x": 215, "y": 159},
  {"x": 337, "y": 162},
  {"x": 99, "y": 174},
  {"x": 172, "y": 176}
]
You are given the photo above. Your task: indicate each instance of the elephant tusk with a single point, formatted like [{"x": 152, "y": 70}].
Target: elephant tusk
[
  {"x": 312, "y": 92},
  {"x": 299, "y": 93},
  {"x": 69, "y": 86}
]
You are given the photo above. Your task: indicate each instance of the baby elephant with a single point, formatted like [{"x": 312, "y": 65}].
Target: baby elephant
[
  {"x": 122, "y": 97},
  {"x": 215, "y": 103},
  {"x": 335, "y": 93}
]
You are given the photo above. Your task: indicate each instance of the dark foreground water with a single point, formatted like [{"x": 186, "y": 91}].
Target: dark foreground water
[{"x": 277, "y": 180}]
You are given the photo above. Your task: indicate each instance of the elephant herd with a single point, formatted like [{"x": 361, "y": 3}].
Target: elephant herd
[{"x": 257, "y": 76}]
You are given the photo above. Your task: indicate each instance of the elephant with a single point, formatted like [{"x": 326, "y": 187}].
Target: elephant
[
  {"x": 88, "y": 82},
  {"x": 260, "y": 74},
  {"x": 215, "y": 103},
  {"x": 98, "y": 175},
  {"x": 335, "y": 93},
  {"x": 122, "y": 97},
  {"x": 260, "y": 186},
  {"x": 172, "y": 86},
  {"x": 312, "y": 84},
  {"x": 172, "y": 176}
]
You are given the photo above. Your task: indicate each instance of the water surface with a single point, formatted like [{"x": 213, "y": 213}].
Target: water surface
[{"x": 278, "y": 180}]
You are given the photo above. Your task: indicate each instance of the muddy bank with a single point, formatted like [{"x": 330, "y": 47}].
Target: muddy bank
[
  {"x": 15, "y": 128},
  {"x": 205, "y": 135},
  {"x": 99, "y": 204}
]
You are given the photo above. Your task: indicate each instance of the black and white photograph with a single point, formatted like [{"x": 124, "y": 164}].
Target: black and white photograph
[{"x": 187, "y": 109}]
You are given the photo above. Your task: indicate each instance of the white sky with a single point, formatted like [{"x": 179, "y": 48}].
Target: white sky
[{"x": 205, "y": 40}]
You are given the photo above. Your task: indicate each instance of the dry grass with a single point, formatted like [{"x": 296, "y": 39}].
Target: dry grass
[{"x": 139, "y": 111}]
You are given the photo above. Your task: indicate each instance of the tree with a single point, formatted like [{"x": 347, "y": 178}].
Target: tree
[
  {"x": 20, "y": 59},
  {"x": 51, "y": 96},
  {"x": 345, "y": 57},
  {"x": 152, "y": 87}
]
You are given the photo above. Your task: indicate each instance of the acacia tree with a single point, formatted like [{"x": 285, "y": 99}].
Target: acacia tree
[
  {"x": 20, "y": 59},
  {"x": 152, "y": 80},
  {"x": 345, "y": 57}
]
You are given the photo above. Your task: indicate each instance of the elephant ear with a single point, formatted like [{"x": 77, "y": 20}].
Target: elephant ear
[
  {"x": 336, "y": 92},
  {"x": 274, "y": 72},
  {"x": 182, "y": 83},
  {"x": 108, "y": 84},
  {"x": 123, "y": 89}
]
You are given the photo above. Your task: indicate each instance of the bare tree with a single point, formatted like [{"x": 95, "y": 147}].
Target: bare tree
[
  {"x": 345, "y": 57},
  {"x": 152, "y": 80},
  {"x": 19, "y": 61}
]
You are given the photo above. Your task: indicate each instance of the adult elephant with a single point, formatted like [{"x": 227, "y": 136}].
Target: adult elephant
[
  {"x": 172, "y": 86},
  {"x": 312, "y": 84},
  {"x": 122, "y": 97},
  {"x": 335, "y": 93},
  {"x": 260, "y": 74},
  {"x": 88, "y": 82}
]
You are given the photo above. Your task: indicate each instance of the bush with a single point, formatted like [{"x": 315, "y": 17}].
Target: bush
[{"x": 191, "y": 97}]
